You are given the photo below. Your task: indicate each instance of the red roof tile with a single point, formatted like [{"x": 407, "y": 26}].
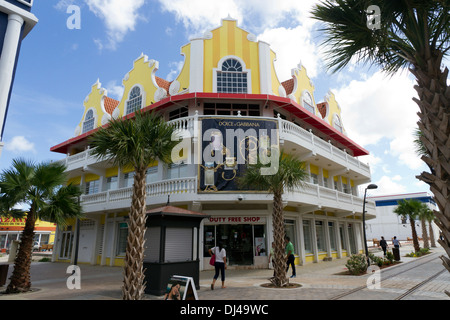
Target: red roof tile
[
  {"x": 110, "y": 104},
  {"x": 163, "y": 84},
  {"x": 288, "y": 86}
]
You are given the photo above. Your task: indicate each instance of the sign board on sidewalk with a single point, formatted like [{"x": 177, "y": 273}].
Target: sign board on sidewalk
[{"x": 185, "y": 287}]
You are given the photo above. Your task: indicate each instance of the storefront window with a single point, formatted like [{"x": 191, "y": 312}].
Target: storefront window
[
  {"x": 351, "y": 238},
  {"x": 341, "y": 234},
  {"x": 332, "y": 236},
  {"x": 290, "y": 232},
  {"x": 307, "y": 236},
  {"x": 122, "y": 239},
  {"x": 2, "y": 240},
  {"x": 209, "y": 239},
  {"x": 241, "y": 241},
  {"x": 260, "y": 241},
  {"x": 320, "y": 234}
]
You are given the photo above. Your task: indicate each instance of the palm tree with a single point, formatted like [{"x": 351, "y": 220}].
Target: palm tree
[
  {"x": 410, "y": 209},
  {"x": 287, "y": 176},
  {"x": 423, "y": 219},
  {"x": 428, "y": 216},
  {"x": 413, "y": 34},
  {"x": 135, "y": 141},
  {"x": 41, "y": 186}
]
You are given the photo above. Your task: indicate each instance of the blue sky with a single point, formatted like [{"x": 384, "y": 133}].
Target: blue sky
[{"x": 58, "y": 66}]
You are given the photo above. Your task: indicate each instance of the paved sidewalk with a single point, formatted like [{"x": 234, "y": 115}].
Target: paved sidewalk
[{"x": 318, "y": 281}]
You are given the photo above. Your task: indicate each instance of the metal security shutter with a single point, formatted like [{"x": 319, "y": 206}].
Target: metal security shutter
[
  {"x": 152, "y": 243},
  {"x": 178, "y": 245}
]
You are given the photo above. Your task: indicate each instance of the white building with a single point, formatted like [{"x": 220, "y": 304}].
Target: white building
[{"x": 388, "y": 224}]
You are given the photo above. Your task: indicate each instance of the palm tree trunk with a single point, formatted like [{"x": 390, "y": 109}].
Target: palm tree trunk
[
  {"x": 430, "y": 229},
  {"x": 278, "y": 235},
  {"x": 20, "y": 279},
  {"x": 426, "y": 242},
  {"x": 434, "y": 105},
  {"x": 414, "y": 235},
  {"x": 133, "y": 287}
]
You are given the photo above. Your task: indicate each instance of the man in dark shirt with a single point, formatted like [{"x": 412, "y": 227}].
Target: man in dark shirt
[{"x": 383, "y": 245}]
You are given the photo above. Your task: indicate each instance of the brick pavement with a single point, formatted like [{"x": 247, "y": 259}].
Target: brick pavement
[{"x": 319, "y": 281}]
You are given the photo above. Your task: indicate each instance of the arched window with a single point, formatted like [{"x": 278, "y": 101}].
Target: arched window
[
  {"x": 308, "y": 103},
  {"x": 134, "y": 101},
  {"x": 89, "y": 121},
  {"x": 232, "y": 78}
]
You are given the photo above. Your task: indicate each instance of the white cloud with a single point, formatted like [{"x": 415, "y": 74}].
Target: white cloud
[
  {"x": 120, "y": 17},
  {"x": 198, "y": 16},
  {"x": 20, "y": 144},
  {"x": 382, "y": 107},
  {"x": 175, "y": 69},
  {"x": 284, "y": 24},
  {"x": 292, "y": 46},
  {"x": 386, "y": 185},
  {"x": 115, "y": 91}
]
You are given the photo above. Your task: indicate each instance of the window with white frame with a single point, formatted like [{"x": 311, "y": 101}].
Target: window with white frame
[
  {"x": 320, "y": 234},
  {"x": 325, "y": 182},
  {"x": 89, "y": 121},
  {"x": 128, "y": 179},
  {"x": 92, "y": 187},
  {"x": 134, "y": 101},
  {"x": 307, "y": 236},
  {"x": 332, "y": 233},
  {"x": 151, "y": 174},
  {"x": 177, "y": 170},
  {"x": 232, "y": 78},
  {"x": 122, "y": 235},
  {"x": 112, "y": 183},
  {"x": 314, "y": 178},
  {"x": 308, "y": 103}
]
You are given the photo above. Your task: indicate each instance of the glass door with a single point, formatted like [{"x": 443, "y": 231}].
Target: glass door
[
  {"x": 238, "y": 243},
  {"x": 66, "y": 245},
  {"x": 351, "y": 238}
]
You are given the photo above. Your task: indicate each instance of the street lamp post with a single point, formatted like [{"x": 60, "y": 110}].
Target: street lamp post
[{"x": 370, "y": 186}]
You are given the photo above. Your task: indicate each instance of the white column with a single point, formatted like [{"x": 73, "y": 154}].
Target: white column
[
  {"x": 265, "y": 72},
  {"x": 196, "y": 66},
  {"x": 8, "y": 61}
]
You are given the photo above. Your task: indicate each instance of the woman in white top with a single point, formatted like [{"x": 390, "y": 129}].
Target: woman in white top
[{"x": 220, "y": 264}]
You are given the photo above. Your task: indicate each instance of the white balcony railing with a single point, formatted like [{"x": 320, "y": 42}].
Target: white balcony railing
[
  {"x": 289, "y": 131},
  {"x": 181, "y": 186},
  {"x": 185, "y": 189}
]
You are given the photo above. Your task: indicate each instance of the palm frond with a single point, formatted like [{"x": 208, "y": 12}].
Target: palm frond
[
  {"x": 135, "y": 141},
  {"x": 409, "y": 31}
]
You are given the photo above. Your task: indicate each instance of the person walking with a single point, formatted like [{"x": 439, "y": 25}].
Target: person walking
[
  {"x": 290, "y": 258},
  {"x": 220, "y": 264},
  {"x": 383, "y": 245},
  {"x": 396, "y": 243}
]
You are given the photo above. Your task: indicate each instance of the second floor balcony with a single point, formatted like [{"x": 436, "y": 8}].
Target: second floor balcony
[
  {"x": 310, "y": 198},
  {"x": 293, "y": 138}
]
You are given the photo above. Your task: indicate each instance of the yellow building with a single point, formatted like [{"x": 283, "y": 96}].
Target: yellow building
[
  {"x": 228, "y": 82},
  {"x": 11, "y": 229}
]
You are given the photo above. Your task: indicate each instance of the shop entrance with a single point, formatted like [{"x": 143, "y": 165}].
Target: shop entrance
[
  {"x": 241, "y": 241},
  {"x": 237, "y": 241}
]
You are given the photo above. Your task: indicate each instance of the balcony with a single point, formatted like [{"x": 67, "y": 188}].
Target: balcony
[
  {"x": 308, "y": 146},
  {"x": 184, "y": 190}
]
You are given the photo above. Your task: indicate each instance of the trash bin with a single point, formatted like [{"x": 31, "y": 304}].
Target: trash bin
[
  {"x": 3, "y": 274},
  {"x": 396, "y": 253}
]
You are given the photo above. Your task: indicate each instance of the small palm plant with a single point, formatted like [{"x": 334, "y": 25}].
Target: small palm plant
[
  {"x": 410, "y": 209},
  {"x": 288, "y": 175}
]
